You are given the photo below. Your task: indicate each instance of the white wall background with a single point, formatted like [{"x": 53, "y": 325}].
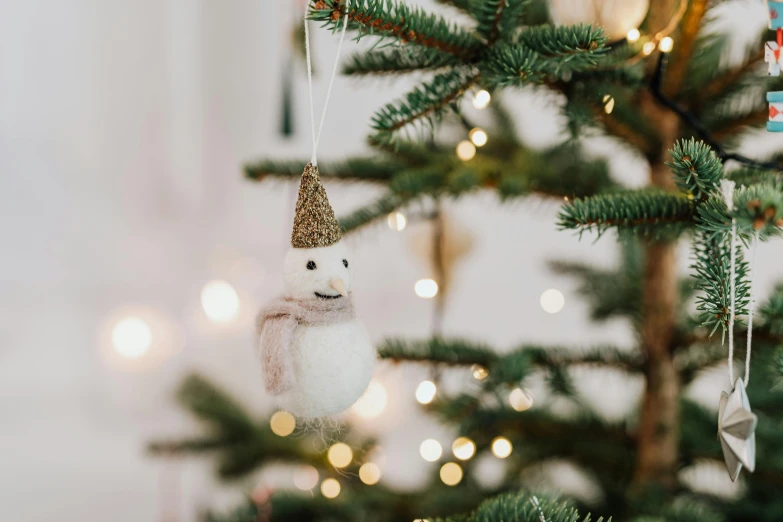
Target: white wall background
[{"x": 123, "y": 126}]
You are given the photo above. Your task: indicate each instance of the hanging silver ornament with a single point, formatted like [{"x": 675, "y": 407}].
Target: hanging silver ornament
[{"x": 736, "y": 430}]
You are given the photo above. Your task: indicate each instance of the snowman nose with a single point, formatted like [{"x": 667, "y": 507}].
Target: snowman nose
[{"x": 338, "y": 285}]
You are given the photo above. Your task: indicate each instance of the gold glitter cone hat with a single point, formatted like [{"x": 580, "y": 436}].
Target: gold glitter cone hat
[{"x": 314, "y": 222}]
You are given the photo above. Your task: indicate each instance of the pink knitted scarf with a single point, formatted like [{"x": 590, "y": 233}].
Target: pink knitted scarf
[{"x": 276, "y": 325}]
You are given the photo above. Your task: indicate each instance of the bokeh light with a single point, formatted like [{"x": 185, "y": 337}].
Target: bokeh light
[
  {"x": 552, "y": 301},
  {"x": 370, "y": 473},
  {"x": 306, "y": 478},
  {"x": 397, "y": 221},
  {"x": 131, "y": 337},
  {"x": 330, "y": 488},
  {"x": 463, "y": 448},
  {"x": 478, "y": 137},
  {"x": 481, "y": 99},
  {"x": 666, "y": 44},
  {"x": 633, "y": 35},
  {"x": 451, "y": 473},
  {"x": 340, "y": 455},
  {"x": 282, "y": 423},
  {"x": 220, "y": 301},
  {"x": 426, "y": 288},
  {"x": 501, "y": 447},
  {"x": 466, "y": 150},
  {"x": 425, "y": 392},
  {"x": 430, "y": 450},
  {"x": 520, "y": 399},
  {"x": 373, "y": 402},
  {"x": 479, "y": 372}
]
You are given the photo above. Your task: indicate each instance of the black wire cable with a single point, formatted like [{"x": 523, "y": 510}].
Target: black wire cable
[{"x": 655, "y": 87}]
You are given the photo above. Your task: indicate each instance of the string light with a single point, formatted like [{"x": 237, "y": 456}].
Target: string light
[
  {"x": 479, "y": 372},
  {"x": 666, "y": 44},
  {"x": 397, "y": 221},
  {"x": 330, "y": 488},
  {"x": 648, "y": 48},
  {"x": 430, "y": 450},
  {"x": 220, "y": 301},
  {"x": 466, "y": 150},
  {"x": 633, "y": 35},
  {"x": 373, "y": 402},
  {"x": 608, "y": 103},
  {"x": 501, "y": 447},
  {"x": 340, "y": 455},
  {"x": 370, "y": 473},
  {"x": 451, "y": 473},
  {"x": 282, "y": 424},
  {"x": 463, "y": 448},
  {"x": 131, "y": 337},
  {"x": 478, "y": 137},
  {"x": 425, "y": 392},
  {"x": 306, "y": 478},
  {"x": 426, "y": 288},
  {"x": 552, "y": 301},
  {"x": 520, "y": 399},
  {"x": 481, "y": 99}
]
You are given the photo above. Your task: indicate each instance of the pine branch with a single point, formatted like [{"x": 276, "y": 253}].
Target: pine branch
[
  {"x": 521, "y": 507},
  {"x": 566, "y": 47},
  {"x": 423, "y": 104},
  {"x": 497, "y": 18},
  {"x": 388, "y": 19},
  {"x": 366, "y": 215},
  {"x": 721, "y": 83},
  {"x": 757, "y": 208},
  {"x": 511, "y": 65},
  {"x": 712, "y": 265},
  {"x": 352, "y": 169},
  {"x": 397, "y": 60},
  {"x": 650, "y": 213},
  {"x": 437, "y": 350},
  {"x": 696, "y": 168}
]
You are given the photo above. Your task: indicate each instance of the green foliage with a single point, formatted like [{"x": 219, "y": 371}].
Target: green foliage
[
  {"x": 424, "y": 103},
  {"x": 566, "y": 48},
  {"x": 496, "y": 18},
  {"x": 511, "y": 65},
  {"x": 644, "y": 212},
  {"x": 772, "y": 312},
  {"x": 522, "y": 507},
  {"x": 397, "y": 60},
  {"x": 358, "y": 169},
  {"x": 388, "y": 19},
  {"x": 712, "y": 269},
  {"x": 696, "y": 168}
]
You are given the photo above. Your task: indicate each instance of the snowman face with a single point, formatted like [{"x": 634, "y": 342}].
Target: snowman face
[{"x": 317, "y": 273}]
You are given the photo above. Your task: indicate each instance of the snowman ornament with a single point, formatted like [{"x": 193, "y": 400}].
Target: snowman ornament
[{"x": 317, "y": 357}]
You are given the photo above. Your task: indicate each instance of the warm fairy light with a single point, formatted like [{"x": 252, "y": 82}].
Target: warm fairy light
[
  {"x": 131, "y": 337},
  {"x": 501, "y": 447},
  {"x": 552, "y": 301},
  {"x": 306, "y": 478},
  {"x": 479, "y": 372},
  {"x": 633, "y": 35},
  {"x": 373, "y": 402},
  {"x": 451, "y": 473},
  {"x": 397, "y": 221},
  {"x": 426, "y": 288},
  {"x": 463, "y": 448},
  {"x": 608, "y": 103},
  {"x": 520, "y": 399},
  {"x": 478, "y": 137},
  {"x": 648, "y": 48},
  {"x": 466, "y": 150},
  {"x": 282, "y": 423},
  {"x": 425, "y": 392},
  {"x": 481, "y": 99},
  {"x": 370, "y": 473},
  {"x": 430, "y": 450},
  {"x": 220, "y": 301},
  {"x": 666, "y": 44},
  {"x": 340, "y": 455},
  {"x": 330, "y": 488}
]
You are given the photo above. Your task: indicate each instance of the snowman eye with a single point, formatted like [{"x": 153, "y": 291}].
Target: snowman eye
[
  {"x": 311, "y": 265},
  {"x": 345, "y": 263}
]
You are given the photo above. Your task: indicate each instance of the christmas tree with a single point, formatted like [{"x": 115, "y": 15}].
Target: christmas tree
[{"x": 664, "y": 92}]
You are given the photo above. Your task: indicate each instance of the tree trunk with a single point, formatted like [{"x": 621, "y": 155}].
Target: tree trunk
[{"x": 658, "y": 430}]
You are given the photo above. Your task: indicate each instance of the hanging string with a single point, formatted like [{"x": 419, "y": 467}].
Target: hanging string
[
  {"x": 753, "y": 249},
  {"x": 727, "y": 188},
  {"x": 317, "y": 137}
]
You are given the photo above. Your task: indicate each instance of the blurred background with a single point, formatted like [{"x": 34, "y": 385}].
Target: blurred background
[{"x": 135, "y": 252}]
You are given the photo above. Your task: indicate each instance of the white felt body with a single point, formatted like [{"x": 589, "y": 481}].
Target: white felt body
[{"x": 333, "y": 366}]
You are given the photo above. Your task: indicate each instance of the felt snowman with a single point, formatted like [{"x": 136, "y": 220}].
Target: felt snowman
[{"x": 317, "y": 357}]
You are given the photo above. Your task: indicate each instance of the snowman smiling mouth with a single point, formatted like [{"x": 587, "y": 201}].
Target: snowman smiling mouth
[{"x": 336, "y": 284}]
